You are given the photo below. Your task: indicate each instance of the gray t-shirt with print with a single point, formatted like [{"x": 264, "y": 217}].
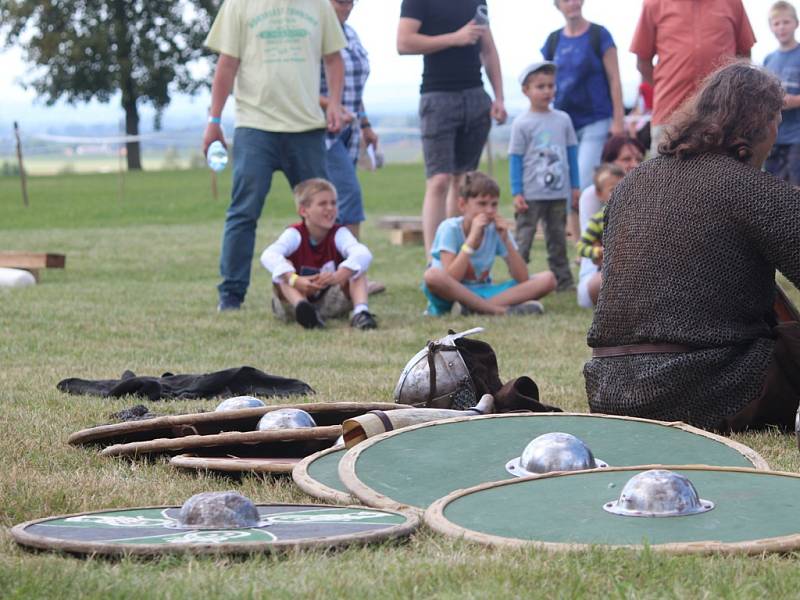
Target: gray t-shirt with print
[{"x": 542, "y": 140}]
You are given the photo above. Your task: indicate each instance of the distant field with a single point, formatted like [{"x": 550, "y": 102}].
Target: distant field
[{"x": 139, "y": 293}]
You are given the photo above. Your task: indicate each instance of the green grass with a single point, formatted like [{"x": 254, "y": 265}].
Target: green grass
[{"x": 139, "y": 293}]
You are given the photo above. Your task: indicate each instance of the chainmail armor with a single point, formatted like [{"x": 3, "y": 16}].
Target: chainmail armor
[{"x": 691, "y": 248}]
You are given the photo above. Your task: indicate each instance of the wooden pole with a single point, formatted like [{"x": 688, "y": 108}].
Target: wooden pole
[
  {"x": 22, "y": 176},
  {"x": 121, "y": 175}
]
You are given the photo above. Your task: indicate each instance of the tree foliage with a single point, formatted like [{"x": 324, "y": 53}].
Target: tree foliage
[{"x": 92, "y": 49}]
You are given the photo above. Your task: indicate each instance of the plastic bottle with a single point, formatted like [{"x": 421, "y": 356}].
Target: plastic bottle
[{"x": 217, "y": 156}]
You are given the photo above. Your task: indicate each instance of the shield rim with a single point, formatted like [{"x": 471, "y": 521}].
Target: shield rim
[
  {"x": 374, "y": 499},
  {"x": 231, "y": 464},
  {"x": 28, "y": 540},
  {"x": 314, "y": 488},
  {"x": 434, "y": 518},
  {"x": 169, "y": 445}
]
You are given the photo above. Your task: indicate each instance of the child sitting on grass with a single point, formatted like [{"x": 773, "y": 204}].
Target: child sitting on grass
[
  {"x": 464, "y": 250},
  {"x": 590, "y": 246},
  {"x": 318, "y": 267}
]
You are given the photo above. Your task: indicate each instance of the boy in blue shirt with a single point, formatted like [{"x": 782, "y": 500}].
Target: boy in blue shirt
[
  {"x": 463, "y": 253},
  {"x": 784, "y": 159},
  {"x": 543, "y": 157}
]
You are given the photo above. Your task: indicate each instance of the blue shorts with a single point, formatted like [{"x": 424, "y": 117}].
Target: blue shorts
[{"x": 438, "y": 307}]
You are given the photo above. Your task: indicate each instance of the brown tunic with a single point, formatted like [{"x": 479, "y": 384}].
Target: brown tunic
[{"x": 691, "y": 248}]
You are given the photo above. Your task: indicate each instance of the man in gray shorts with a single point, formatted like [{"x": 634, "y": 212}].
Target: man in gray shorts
[{"x": 455, "y": 111}]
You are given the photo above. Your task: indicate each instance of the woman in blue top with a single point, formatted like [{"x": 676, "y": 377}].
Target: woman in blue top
[{"x": 588, "y": 87}]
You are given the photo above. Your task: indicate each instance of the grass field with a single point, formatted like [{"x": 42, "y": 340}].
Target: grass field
[{"x": 139, "y": 293}]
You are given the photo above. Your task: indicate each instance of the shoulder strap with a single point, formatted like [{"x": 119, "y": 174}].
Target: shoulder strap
[
  {"x": 594, "y": 40},
  {"x": 550, "y": 44}
]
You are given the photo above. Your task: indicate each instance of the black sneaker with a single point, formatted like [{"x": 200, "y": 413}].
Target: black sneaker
[
  {"x": 228, "y": 302},
  {"x": 307, "y": 315},
  {"x": 363, "y": 320}
]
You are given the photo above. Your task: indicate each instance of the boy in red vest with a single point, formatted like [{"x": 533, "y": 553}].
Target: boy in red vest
[{"x": 317, "y": 266}]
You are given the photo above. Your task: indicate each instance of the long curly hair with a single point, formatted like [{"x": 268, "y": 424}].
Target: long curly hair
[{"x": 728, "y": 115}]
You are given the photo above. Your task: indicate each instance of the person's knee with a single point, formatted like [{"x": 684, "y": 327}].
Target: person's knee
[
  {"x": 549, "y": 280},
  {"x": 439, "y": 183},
  {"x": 436, "y": 279}
]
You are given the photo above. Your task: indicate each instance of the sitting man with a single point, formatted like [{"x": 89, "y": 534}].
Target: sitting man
[
  {"x": 464, "y": 250},
  {"x": 317, "y": 266}
]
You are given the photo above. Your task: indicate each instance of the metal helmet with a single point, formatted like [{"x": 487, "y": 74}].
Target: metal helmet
[
  {"x": 238, "y": 403},
  {"x": 658, "y": 493},
  {"x": 554, "y": 451},
  {"x": 285, "y": 418},
  {"x": 218, "y": 510},
  {"x": 437, "y": 376}
]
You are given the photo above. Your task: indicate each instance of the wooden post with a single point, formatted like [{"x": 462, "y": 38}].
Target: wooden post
[
  {"x": 22, "y": 176},
  {"x": 121, "y": 176}
]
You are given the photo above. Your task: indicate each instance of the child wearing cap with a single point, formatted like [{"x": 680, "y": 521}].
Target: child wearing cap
[{"x": 543, "y": 157}]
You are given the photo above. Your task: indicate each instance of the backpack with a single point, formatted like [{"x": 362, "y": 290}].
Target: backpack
[{"x": 594, "y": 42}]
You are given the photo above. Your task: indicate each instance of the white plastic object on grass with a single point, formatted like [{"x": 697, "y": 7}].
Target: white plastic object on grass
[
  {"x": 15, "y": 278},
  {"x": 217, "y": 156}
]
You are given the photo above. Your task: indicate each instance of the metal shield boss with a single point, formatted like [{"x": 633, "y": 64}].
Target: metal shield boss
[
  {"x": 555, "y": 451},
  {"x": 285, "y": 418},
  {"x": 218, "y": 510},
  {"x": 658, "y": 493},
  {"x": 437, "y": 376}
]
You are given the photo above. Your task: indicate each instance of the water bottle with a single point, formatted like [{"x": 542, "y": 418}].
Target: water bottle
[
  {"x": 217, "y": 156},
  {"x": 481, "y": 15}
]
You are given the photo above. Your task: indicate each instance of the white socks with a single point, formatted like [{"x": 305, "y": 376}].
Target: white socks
[{"x": 360, "y": 308}]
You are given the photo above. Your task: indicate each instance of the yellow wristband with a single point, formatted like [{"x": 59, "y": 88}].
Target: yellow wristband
[
  {"x": 467, "y": 249},
  {"x": 293, "y": 279}
]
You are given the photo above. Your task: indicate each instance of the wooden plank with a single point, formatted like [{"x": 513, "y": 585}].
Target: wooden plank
[
  {"x": 413, "y": 223},
  {"x": 32, "y": 260},
  {"x": 403, "y": 237}
]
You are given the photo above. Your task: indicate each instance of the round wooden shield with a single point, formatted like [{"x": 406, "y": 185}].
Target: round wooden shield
[
  {"x": 154, "y": 530},
  {"x": 318, "y": 476},
  {"x": 278, "y": 443},
  {"x": 210, "y": 423},
  {"x": 412, "y": 467},
  {"x": 754, "y": 512}
]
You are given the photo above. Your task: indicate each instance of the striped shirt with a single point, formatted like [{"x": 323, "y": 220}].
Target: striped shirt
[
  {"x": 592, "y": 237},
  {"x": 356, "y": 72}
]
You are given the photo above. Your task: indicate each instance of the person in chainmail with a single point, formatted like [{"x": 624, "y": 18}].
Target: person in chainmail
[{"x": 685, "y": 327}]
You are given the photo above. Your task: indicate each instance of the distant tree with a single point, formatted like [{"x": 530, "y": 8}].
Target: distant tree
[{"x": 91, "y": 49}]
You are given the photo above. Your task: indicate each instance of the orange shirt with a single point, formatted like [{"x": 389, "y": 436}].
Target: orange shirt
[{"x": 691, "y": 38}]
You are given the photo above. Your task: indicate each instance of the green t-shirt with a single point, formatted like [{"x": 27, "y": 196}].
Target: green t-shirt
[{"x": 280, "y": 44}]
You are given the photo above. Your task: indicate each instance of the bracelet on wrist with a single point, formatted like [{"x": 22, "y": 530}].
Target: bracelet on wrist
[
  {"x": 293, "y": 279},
  {"x": 467, "y": 249},
  {"x": 366, "y": 125},
  {"x": 361, "y": 115},
  {"x": 215, "y": 120}
]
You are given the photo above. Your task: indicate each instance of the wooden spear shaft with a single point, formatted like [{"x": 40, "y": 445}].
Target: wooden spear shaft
[{"x": 22, "y": 177}]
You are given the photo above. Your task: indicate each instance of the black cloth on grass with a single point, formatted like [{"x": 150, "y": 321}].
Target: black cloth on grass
[{"x": 240, "y": 381}]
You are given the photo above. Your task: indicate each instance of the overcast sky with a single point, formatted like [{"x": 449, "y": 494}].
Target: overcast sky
[{"x": 519, "y": 27}]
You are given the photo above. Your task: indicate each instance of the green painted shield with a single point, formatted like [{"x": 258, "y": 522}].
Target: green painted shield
[
  {"x": 318, "y": 476},
  {"x": 754, "y": 511},
  {"x": 155, "y": 530},
  {"x": 417, "y": 465}
]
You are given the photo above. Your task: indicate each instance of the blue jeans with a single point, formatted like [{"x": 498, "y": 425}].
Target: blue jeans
[
  {"x": 257, "y": 155},
  {"x": 591, "y": 139},
  {"x": 342, "y": 172}
]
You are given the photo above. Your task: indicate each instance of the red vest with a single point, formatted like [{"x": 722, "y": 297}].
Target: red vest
[{"x": 309, "y": 259}]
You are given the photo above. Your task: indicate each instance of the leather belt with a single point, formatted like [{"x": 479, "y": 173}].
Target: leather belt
[{"x": 632, "y": 349}]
